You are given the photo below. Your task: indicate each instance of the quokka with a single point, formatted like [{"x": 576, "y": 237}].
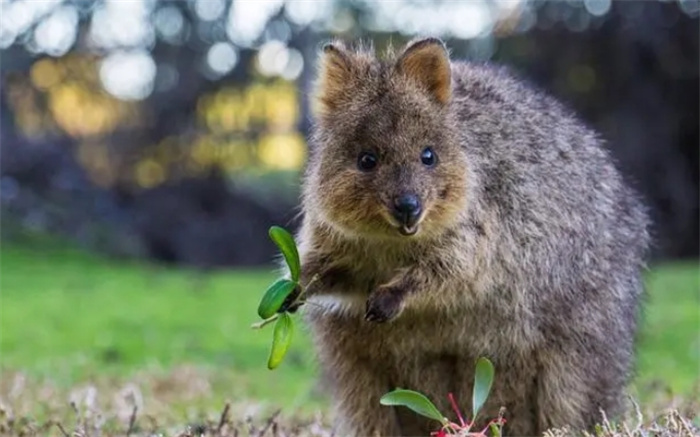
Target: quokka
[{"x": 452, "y": 211}]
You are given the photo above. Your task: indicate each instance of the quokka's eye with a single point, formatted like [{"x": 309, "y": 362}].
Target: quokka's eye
[
  {"x": 428, "y": 157},
  {"x": 366, "y": 161}
]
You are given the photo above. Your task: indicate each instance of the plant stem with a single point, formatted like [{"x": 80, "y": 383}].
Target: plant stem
[
  {"x": 259, "y": 325},
  {"x": 303, "y": 290},
  {"x": 306, "y": 287},
  {"x": 451, "y": 397}
]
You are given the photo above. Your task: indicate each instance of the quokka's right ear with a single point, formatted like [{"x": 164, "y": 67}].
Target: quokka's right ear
[{"x": 334, "y": 77}]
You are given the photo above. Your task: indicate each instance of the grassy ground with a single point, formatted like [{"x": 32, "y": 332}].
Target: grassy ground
[{"x": 177, "y": 344}]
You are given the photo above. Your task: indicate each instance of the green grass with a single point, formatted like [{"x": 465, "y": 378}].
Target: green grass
[
  {"x": 669, "y": 348},
  {"x": 70, "y": 316}
]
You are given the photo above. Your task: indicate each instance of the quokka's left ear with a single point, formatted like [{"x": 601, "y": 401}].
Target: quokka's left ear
[{"x": 427, "y": 63}]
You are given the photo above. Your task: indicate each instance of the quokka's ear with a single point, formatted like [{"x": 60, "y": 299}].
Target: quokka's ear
[
  {"x": 334, "y": 77},
  {"x": 427, "y": 63}
]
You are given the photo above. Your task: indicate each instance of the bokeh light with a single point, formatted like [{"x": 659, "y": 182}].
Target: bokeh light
[
  {"x": 56, "y": 34},
  {"x": 128, "y": 75},
  {"x": 122, "y": 24},
  {"x": 222, "y": 57},
  {"x": 209, "y": 10},
  {"x": 170, "y": 24}
]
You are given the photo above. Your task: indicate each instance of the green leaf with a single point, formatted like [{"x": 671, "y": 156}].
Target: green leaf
[
  {"x": 483, "y": 378},
  {"x": 281, "y": 339},
  {"x": 288, "y": 247},
  {"x": 274, "y": 297},
  {"x": 414, "y": 401}
]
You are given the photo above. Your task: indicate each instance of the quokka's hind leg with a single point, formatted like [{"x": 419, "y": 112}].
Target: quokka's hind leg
[
  {"x": 356, "y": 391},
  {"x": 354, "y": 376},
  {"x": 575, "y": 384}
]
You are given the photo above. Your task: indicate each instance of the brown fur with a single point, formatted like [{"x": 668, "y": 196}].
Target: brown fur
[{"x": 529, "y": 250}]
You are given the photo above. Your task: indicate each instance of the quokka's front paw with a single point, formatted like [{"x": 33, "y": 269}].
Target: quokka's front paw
[
  {"x": 384, "y": 304},
  {"x": 290, "y": 304}
]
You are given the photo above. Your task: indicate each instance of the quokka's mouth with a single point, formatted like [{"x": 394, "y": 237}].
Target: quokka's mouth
[
  {"x": 406, "y": 228},
  {"x": 408, "y": 231}
]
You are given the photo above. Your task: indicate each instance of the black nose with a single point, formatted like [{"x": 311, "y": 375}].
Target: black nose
[{"x": 407, "y": 209}]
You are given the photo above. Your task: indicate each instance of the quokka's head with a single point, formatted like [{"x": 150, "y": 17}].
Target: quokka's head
[{"x": 385, "y": 159}]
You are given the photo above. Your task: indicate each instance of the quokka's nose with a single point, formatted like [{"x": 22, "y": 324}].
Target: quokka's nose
[{"x": 407, "y": 209}]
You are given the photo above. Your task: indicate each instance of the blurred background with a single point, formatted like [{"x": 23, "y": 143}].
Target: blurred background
[
  {"x": 146, "y": 147},
  {"x": 175, "y": 130}
]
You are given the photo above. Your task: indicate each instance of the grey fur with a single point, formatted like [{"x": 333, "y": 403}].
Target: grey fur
[{"x": 532, "y": 257}]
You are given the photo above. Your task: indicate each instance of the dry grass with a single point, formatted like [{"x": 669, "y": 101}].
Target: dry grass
[
  {"x": 675, "y": 420},
  {"x": 179, "y": 404}
]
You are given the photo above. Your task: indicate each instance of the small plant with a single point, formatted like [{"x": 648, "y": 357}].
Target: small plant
[
  {"x": 277, "y": 303},
  {"x": 417, "y": 402}
]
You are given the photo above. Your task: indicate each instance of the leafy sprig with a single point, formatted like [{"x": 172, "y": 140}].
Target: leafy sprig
[{"x": 274, "y": 305}]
